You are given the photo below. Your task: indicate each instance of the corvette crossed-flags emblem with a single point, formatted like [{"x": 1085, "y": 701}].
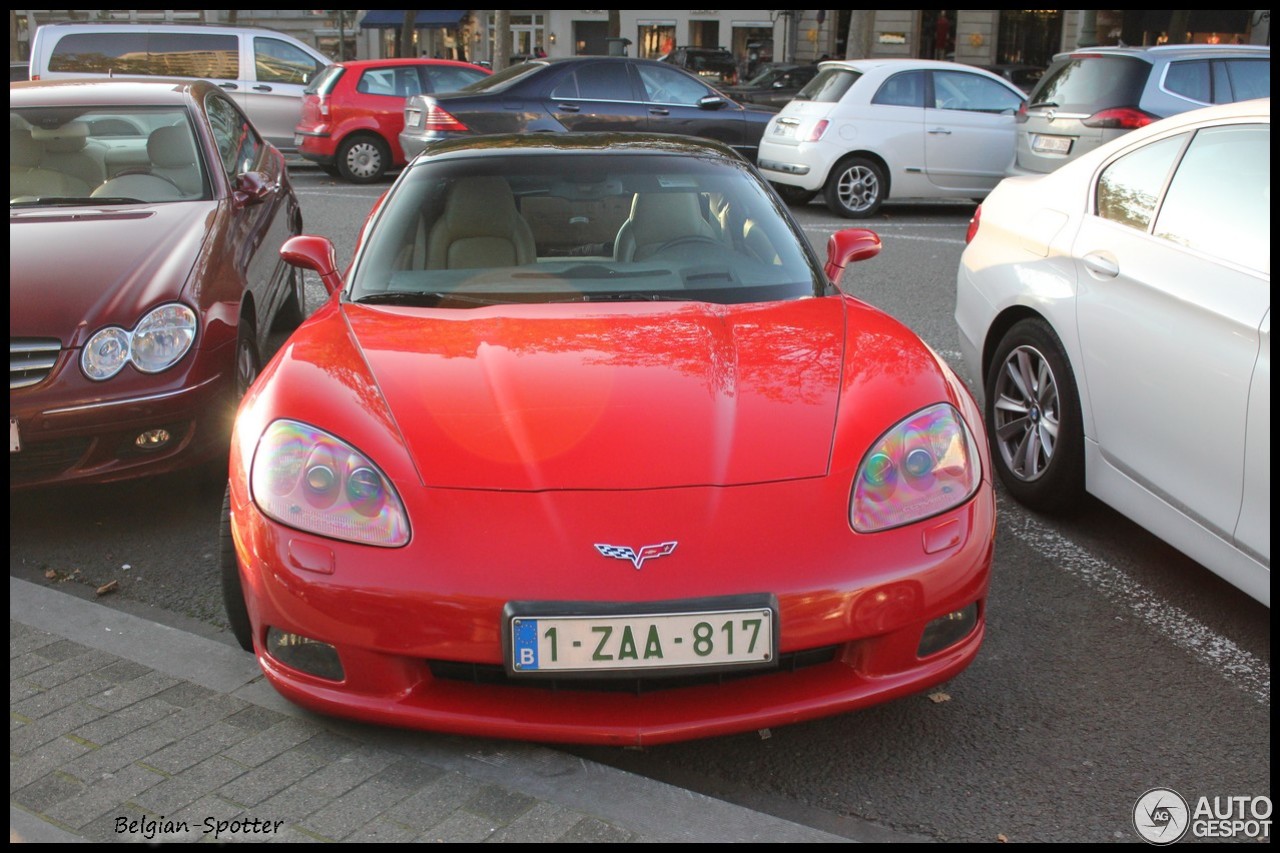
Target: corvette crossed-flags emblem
[{"x": 637, "y": 557}]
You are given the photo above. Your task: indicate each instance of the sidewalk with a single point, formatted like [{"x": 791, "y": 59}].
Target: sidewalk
[{"x": 121, "y": 729}]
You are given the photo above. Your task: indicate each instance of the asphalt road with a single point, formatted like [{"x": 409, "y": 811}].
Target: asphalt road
[{"x": 1112, "y": 663}]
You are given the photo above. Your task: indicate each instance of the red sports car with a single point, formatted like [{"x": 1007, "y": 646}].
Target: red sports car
[
  {"x": 588, "y": 447},
  {"x": 145, "y": 224},
  {"x": 353, "y": 112}
]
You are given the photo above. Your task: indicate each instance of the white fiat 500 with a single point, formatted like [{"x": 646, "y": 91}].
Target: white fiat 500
[
  {"x": 866, "y": 130},
  {"x": 1116, "y": 314}
]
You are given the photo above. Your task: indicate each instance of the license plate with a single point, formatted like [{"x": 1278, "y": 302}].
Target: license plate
[
  {"x": 297, "y": 139},
  {"x": 784, "y": 130},
  {"x": 1050, "y": 144},
  {"x": 15, "y": 441},
  {"x": 642, "y": 641}
]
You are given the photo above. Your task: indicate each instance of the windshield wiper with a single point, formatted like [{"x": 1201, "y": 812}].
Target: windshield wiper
[
  {"x": 67, "y": 201},
  {"x": 426, "y": 299}
]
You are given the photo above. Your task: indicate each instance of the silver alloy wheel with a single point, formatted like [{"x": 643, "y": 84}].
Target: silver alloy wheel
[
  {"x": 363, "y": 160},
  {"x": 246, "y": 363},
  {"x": 1026, "y": 413},
  {"x": 858, "y": 188}
]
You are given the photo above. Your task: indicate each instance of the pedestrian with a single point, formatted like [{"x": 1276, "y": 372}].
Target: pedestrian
[{"x": 942, "y": 36}]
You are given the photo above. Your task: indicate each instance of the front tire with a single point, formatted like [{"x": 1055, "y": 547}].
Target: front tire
[
  {"x": 794, "y": 196},
  {"x": 232, "y": 590},
  {"x": 248, "y": 363},
  {"x": 856, "y": 188},
  {"x": 1033, "y": 416},
  {"x": 363, "y": 159}
]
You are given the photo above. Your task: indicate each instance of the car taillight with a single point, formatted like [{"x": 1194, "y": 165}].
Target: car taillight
[
  {"x": 439, "y": 119},
  {"x": 973, "y": 226},
  {"x": 323, "y": 101},
  {"x": 1021, "y": 116},
  {"x": 818, "y": 129},
  {"x": 1119, "y": 118}
]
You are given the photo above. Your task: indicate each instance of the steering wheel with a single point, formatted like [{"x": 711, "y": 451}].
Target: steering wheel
[
  {"x": 687, "y": 240},
  {"x": 150, "y": 174}
]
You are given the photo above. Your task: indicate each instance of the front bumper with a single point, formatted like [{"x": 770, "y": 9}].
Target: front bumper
[{"x": 419, "y": 630}]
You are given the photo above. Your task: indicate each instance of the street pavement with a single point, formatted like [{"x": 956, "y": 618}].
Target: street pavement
[{"x": 123, "y": 729}]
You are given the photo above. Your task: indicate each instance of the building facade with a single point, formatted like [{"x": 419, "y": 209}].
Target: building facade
[{"x": 975, "y": 36}]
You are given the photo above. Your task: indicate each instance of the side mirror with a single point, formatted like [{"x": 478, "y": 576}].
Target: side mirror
[
  {"x": 316, "y": 254},
  {"x": 846, "y": 247},
  {"x": 711, "y": 102},
  {"x": 250, "y": 188}
]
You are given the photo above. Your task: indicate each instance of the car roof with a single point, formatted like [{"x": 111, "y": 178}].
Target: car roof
[
  {"x": 897, "y": 63},
  {"x": 138, "y": 26},
  {"x": 1180, "y": 51},
  {"x": 590, "y": 144},
  {"x": 357, "y": 64},
  {"x": 133, "y": 91}
]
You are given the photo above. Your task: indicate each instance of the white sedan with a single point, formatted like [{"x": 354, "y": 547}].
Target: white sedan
[
  {"x": 1117, "y": 316},
  {"x": 865, "y": 130}
]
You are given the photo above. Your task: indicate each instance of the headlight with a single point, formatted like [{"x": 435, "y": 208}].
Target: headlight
[
  {"x": 157, "y": 343},
  {"x": 306, "y": 478},
  {"x": 163, "y": 337},
  {"x": 925, "y": 465}
]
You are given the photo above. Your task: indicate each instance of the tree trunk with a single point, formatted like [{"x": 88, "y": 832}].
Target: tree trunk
[
  {"x": 1179, "y": 23},
  {"x": 501, "y": 39},
  {"x": 615, "y": 24},
  {"x": 404, "y": 48},
  {"x": 857, "y": 44}
]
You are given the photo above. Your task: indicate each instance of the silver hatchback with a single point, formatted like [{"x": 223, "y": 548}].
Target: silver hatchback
[{"x": 1093, "y": 95}]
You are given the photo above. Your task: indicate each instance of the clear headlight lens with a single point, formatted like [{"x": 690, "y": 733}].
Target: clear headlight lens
[
  {"x": 106, "y": 353},
  {"x": 163, "y": 337},
  {"x": 925, "y": 465},
  {"x": 306, "y": 478},
  {"x": 157, "y": 343}
]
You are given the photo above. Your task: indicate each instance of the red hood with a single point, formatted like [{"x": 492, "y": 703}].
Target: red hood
[
  {"x": 629, "y": 397},
  {"x": 72, "y": 271}
]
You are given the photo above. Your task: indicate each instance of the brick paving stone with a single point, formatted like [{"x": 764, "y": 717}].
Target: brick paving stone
[
  {"x": 266, "y": 780},
  {"x": 112, "y": 727},
  {"x": 25, "y": 664},
  {"x": 589, "y": 830},
  {"x": 19, "y": 690},
  {"x": 292, "y": 804},
  {"x": 543, "y": 823},
  {"x": 47, "y": 791},
  {"x": 58, "y": 695},
  {"x": 208, "y": 808},
  {"x": 255, "y": 719},
  {"x": 98, "y": 799},
  {"x": 368, "y": 800},
  {"x": 184, "y": 694},
  {"x": 269, "y": 743},
  {"x": 45, "y": 759},
  {"x": 61, "y": 650},
  {"x": 44, "y": 729},
  {"x": 432, "y": 804},
  {"x": 461, "y": 827},
  {"x": 190, "y": 751},
  {"x": 23, "y": 639},
  {"x": 74, "y": 667},
  {"x": 383, "y": 831},
  {"x": 123, "y": 695},
  {"x": 122, "y": 671},
  {"x": 499, "y": 804},
  {"x": 338, "y": 777},
  {"x": 328, "y": 746}
]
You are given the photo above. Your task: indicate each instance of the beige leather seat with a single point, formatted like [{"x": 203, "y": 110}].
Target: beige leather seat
[
  {"x": 657, "y": 219},
  {"x": 28, "y": 179},
  {"x": 173, "y": 174},
  {"x": 65, "y": 149},
  {"x": 480, "y": 227}
]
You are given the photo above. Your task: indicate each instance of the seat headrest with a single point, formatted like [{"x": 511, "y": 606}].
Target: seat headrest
[
  {"x": 171, "y": 147},
  {"x": 660, "y": 217},
  {"x": 481, "y": 207},
  {"x": 63, "y": 139},
  {"x": 24, "y": 152}
]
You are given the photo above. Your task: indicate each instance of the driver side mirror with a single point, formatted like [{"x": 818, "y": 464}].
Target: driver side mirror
[
  {"x": 848, "y": 246},
  {"x": 711, "y": 102},
  {"x": 250, "y": 188},
  {"x": 316, "y": 254}
]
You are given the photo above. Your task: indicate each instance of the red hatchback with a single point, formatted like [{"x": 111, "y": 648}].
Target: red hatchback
[{"x": 353, "y": 112}]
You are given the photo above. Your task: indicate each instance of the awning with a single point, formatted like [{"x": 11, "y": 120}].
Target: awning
[{"x": 427, "y": 19}]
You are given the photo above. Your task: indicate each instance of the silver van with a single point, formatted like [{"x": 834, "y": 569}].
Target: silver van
[{"x": 263, "y": 71}]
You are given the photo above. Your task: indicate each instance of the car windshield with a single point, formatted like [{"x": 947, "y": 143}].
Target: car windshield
[
  {"x": 829, "y": 86},
  {"x": 767, "y": 76},
  {"x": 581, "y": 227},
  {"x": 324, "y": 82},
  {"x": 103, "y": 155}
]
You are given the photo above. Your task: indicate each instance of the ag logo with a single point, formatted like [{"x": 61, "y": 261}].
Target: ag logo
[
  {"x": 636, "y": 556},
  {"x": 1161, "y": 816}
]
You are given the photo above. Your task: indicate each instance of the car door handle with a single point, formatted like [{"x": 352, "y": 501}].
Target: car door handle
[
  {"x": 228, "y": 85},
  {"x": 569, "y": 108},
  {"x": 940, "y": 131},
  {"x": 262, "y": 88},
  {"x": 1101, "y": 265},
  {"x": 658, "y": 111}
]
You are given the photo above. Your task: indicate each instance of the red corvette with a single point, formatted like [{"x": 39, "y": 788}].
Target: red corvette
[{"x": 587, "y": 447}]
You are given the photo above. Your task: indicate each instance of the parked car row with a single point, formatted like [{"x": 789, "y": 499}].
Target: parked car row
[{"x": 581, "y": 347}]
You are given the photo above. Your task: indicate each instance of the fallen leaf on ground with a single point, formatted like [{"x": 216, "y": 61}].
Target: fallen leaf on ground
[
  {"x": 109, "y": 586},
  {"x": 50, "y": 575},
  {"x": 939, "y": 697}
]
